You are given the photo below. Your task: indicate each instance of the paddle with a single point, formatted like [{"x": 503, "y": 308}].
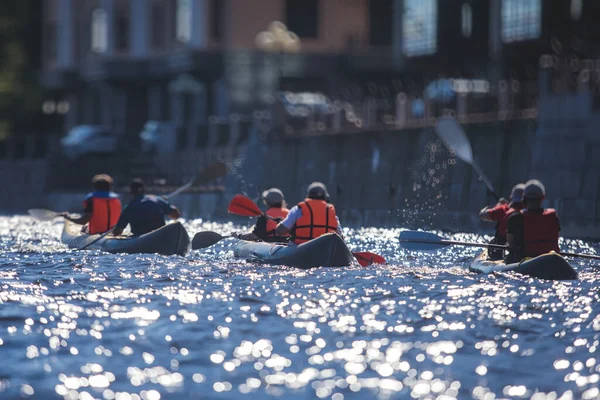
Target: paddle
[
  {"x": 455, "y": 139},
  {"x": 427, "y": 241},
  {"x": 243, "y": 206},
  {"x": 206, "y": 239},
  {"x": 44, "y": 215},
  {"x": 170, "y": 195}
]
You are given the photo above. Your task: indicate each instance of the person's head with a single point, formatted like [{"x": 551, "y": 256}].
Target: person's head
[
  {"x": 273, "y": 198},
  {"x": 137, "y": 187},
  {"x": 102, "y": 182},
  {"x": 534, "y": 194},
  {"x": 516, "y": 195},
  {"x": 317, "y": 191}
]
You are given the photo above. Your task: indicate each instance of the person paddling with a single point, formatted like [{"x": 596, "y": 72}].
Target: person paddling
[
  {"x": 101, "y": 208},
  {"x": 145, "y": 213},
  {"x": 534, "y": 230},
  {"x": 312, "y": 217},
  {"x": 500, "y": 214},
  {"x": 265, "y": 227}
]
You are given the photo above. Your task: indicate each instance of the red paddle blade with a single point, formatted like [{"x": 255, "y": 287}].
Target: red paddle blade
[
  {"x": 241, "y": 205},
  {"x": 365, "y": 258}
]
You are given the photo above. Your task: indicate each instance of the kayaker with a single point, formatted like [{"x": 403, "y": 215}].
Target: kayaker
[
  {"x": 311, "y": 218},
  {"x": 499, "y": 214},
  {"x": 264, "y": 230},
  {"x": 101, "y": 208},
  {"x": 534, "y": 230},
  {"x": 145, "y": 213}
]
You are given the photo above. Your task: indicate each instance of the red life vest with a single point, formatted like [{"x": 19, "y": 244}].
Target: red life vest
[
  {"x": 503, "y": 224},
  {"x": 540, "y": 232},
  {"x": 105, "y": 214},
  {"x": 318, "y": 218},
  {"x": 275, "y": 212}
]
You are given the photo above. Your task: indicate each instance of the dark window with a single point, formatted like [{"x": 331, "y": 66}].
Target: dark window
[
  {"x": 521, "y": 20},
  {"x": 158, "y": 28},
  {"x": 302, "y": 17},
  {"x": 216, "y": 23},
  {"x": 50, "y": 41},
  {"x": 380, "y": 22},
  {"x": 122, "y": 30}
]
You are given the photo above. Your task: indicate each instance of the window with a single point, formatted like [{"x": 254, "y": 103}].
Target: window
[
  {"x": 419, "y": 27},
  {"x": 158, "y": 28},
  {"x": 184, "y": 20},
  {"x": 216, "y": 20},
  {"x": 99, "y": 31},
  {"x": 302, "y": 17},
  {"x": 381, "y": 22},
  {"x": 466, "y": 20},
  {"x": 576, "y": 9},
  {"x": 122, "y": 30},
  {"x": 521, "y": 20}
]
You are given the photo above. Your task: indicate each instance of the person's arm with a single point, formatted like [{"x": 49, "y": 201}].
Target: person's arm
[
  {"x": 121, "y": 223},
  {"x": 85, "y": 217},
  {"x": 513, "y": 225},
  {"x": 286, "y": 226},
  {"x": 494, "y": 214},
  {"x": 168, "y": 209}
]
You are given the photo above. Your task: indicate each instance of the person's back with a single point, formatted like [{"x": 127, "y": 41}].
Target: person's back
[
  {"x": 312, "y": 217},
  {"x": 101, "y": 208},
  {"x": 265, "y": 227},
  {"x": 145, "y": 213},
  {"x": 534, "y": 230}
]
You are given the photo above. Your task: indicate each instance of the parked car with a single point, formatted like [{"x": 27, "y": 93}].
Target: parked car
[
  {"x": 88, "y": 139},
  {"x": 158, "y": 137}
]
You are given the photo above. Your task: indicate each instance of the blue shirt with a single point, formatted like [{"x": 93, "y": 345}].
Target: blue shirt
[{"x": 144, "y": 214}]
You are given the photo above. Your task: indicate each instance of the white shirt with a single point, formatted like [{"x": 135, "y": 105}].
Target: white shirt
[{"x": 296, "y": 212}]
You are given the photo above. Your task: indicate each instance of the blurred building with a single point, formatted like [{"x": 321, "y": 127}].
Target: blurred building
[{"x": 120, "y": 63}]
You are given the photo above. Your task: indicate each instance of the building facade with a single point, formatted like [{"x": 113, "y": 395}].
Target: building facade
[{"x": 120, "y": 63}]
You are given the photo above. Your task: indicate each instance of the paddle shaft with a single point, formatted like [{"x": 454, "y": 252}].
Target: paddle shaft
[
  {"x": 485, "y": 180},
  {"x": 492, "y": 246}
]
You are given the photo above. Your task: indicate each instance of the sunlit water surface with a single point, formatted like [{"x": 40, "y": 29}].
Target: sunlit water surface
[{"x": 93, "y": 325}]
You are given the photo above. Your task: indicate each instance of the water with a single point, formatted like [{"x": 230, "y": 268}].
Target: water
[{"x": 91, "y": 325}]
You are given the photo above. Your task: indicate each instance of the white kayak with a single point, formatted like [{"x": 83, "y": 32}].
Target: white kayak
[
  {"x": 168, "y": 240},
  {"x": 550, "y": 266},
  {"x": 328, "y": 250}
]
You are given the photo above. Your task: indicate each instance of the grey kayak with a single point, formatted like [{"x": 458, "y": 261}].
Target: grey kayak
[
  {"x": 168, "y": 240},
  {"x": 550, "y": 266},
  {"x": 325, "y": 251}
]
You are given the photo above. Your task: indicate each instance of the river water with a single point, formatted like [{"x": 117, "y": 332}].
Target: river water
[{"x": 92, "y": 325}]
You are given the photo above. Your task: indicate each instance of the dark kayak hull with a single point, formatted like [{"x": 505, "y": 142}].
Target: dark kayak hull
[
  {"x": 550, "y": 266},
  {"x": 169, "y": 240},
  {"x": 325, "y": 251}
]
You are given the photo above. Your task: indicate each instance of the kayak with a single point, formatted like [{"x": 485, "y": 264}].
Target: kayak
[
  {"x": 168, "y": 240},
  {"x": 328, "y": 250},
  {"x": 550, "y": 266}
]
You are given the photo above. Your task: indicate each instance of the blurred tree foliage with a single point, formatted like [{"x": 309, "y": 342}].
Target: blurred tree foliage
[{"x": 20, "y": 61}]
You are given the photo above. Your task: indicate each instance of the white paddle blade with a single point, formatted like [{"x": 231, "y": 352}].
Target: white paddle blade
[
  {"x": 454, "y": 138},
  {"x": 420, "y": 241},
  {"x": 43, "y": 215}
]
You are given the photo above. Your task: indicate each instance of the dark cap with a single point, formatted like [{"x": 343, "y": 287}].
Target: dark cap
[
  {"x": 534, "y": 189},
  {"x": 273, "y": 197},
  {"x": 516, "y": 195},
  {"x": 317, "y": 190},
  {"x": 136, "y": 186}
]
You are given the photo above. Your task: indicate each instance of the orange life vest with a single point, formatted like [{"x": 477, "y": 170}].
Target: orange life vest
[
  {"x": 105, "y": 214},
  {"x": 275, "y": 212},
  {"x": 541, "y": 231},
  {"x": 318, "y": 218}
]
